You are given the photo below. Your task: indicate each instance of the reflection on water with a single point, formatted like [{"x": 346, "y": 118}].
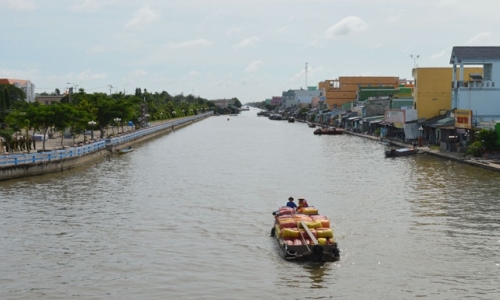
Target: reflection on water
[{"x": 187, "y": 216}]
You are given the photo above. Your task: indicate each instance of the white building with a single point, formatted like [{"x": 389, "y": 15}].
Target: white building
[
  {"x": 479, "y": 93},
  {"x": 27, "y": 86}
]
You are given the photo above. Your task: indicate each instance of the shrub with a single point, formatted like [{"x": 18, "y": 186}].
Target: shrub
[{"x": 475, "y": 149}]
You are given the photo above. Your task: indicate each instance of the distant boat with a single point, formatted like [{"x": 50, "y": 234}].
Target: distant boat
[
  {"x": 329, "y": 130},
  {"x": 400, "y": 152},
  {"x": 126, "y": 150},
  {"x": 311, "y": 125},
  {"x": 291, "y": 119}
]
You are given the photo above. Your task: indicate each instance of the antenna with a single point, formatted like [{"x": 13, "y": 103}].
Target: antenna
[
  {"x": 415, "y": 59},
  {"x": 306, "y": 76}
]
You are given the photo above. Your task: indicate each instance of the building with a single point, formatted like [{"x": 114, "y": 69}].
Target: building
[
  {"x": 432, "y": 91},
  {"x": 345, "y": 89},
  {"x": 300, "y": 98},
  {"x": 276, "y": 100},
  {"x": 478, "y": 91},
  {"x": 224, "y": 103},
  {"x": 27, "y": 86},
  {"x": 48, "y": 100}
]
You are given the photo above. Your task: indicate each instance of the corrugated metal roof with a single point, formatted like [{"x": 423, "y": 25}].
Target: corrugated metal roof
[{"x": 470, "y": 53}]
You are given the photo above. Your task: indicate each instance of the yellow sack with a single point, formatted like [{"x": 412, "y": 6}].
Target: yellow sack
[
  {"x": 309, "y": 211},
  {"x": 324, "y": 233},
  {"x": 311, "y": 224},
  {"x": 290, "y": 233}
]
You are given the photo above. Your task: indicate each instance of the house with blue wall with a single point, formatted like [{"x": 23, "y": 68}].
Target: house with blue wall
[{"x": 479, "y": 93}]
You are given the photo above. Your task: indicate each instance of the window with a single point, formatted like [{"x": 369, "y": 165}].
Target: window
[{"x": 487, "y": 69}]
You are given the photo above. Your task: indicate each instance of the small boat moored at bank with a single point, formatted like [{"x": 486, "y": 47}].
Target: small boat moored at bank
[
  {"x": 329, "y": 130},
  {"x": 304, "y": 236},
  {"x": 126, "y": 150},
  {"x": 400, "y": 152}
]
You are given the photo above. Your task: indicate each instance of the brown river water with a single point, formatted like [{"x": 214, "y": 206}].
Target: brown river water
[{"x": 188, "y": 216}]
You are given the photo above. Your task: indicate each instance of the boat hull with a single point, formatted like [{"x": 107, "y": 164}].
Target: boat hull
[
  {"x": 316, "y": 253},
  {"x": 328, "y": 131},
  {"x": 400, "y": 152}
]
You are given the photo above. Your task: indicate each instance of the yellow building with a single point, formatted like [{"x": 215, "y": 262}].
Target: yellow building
[
  {"x": 345, "y": 89},
  {"x": 432, "y": 91}
]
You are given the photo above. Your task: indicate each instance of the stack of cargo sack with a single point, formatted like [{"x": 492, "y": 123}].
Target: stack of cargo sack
[{"x": 289, "y": 228}]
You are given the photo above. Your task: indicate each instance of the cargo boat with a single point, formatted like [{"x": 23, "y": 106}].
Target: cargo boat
[{"x": 304, "y": 236}]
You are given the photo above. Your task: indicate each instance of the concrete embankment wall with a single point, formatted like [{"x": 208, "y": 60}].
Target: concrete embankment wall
[
  {"x": 114, "y": 148},
  {"x": 57, "y": 165},
  {"x": 458, "y": 157},
  {"x": 39, "y": 168}
]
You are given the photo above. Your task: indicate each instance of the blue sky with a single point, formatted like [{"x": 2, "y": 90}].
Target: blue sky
[{"x": 251, "y": 50}]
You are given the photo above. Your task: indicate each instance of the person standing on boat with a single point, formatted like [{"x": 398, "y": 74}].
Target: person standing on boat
[
  {"x": 302, "y": 204},
  {"x": 291, "y": 204}
]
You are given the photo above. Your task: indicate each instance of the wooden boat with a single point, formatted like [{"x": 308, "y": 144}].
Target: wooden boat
[
  {"x": 291, "y": 119},
  {"x": 329, "y": 130},
  {"x": 304, "y": 236},
  {"x": 126, "y": 150},
  {"x": 400, "y": 152}
]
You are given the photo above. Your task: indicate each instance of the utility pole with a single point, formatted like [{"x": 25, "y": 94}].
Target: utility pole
[
  {"x": 306, "y": 76},
  {"x": 110, "y": 87}
]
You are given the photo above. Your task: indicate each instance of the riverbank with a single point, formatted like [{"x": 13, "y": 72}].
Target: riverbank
[
  {"x": 58, "y": 158},
  {"x": 489, "y": 164}
]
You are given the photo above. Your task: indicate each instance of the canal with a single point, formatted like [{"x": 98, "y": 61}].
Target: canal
[{"x": 188, "y": 216}]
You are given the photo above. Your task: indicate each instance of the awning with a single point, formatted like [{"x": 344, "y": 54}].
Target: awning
[
  {"x": 354, "y": 118},
  {"x": 376, "y": 121}
]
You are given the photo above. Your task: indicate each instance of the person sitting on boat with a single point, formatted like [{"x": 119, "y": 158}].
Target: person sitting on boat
[
  {"x": 291, "y": 204},
  {"x": 302, "y": 204}
]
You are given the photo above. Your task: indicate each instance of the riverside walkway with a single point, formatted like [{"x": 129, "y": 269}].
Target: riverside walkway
[
  {"x": 485, "y": 163},
  {"x": 54, "y": 151}
]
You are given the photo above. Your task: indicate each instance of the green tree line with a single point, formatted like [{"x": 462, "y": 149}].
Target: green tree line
[{"x": 76, "y": 110}]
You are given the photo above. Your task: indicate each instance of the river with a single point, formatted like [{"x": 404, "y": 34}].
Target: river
[{"x": 188, "y": 216}]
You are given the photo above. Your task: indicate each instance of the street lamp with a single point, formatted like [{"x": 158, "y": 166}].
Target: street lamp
[
  {"x": 117, "y": 120},
  {"x": 91, "y": 124}
]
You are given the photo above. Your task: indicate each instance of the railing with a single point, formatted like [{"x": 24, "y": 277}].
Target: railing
[{"x": 55, "y": 155}]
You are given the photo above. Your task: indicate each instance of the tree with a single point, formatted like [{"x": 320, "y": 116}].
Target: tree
[
  {"x": 41, "y": 118},
  {"x": 488, "y": 138}
]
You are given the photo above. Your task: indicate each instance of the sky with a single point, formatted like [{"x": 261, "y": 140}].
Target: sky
[{"x": 215, "y": 49}]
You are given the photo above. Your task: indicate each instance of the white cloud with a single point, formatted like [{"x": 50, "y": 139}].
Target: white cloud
[
  {"x": 233, "y": 31},
  {"x": 346, "y": 26},
  {"x": 97, "y": 49},
  {"x": 19, "y": 4},
  {"x": 480, "y": 39},
  {"x": 138, "y": 73},
  {"x": 247, "y": 42},
  {"x": 254, "y": 66},
  {"x": 193, "y": 43},
  {"x": 144, "y": 15},
  {"x": 88, "y": 75},
  {"x": 89, "y": 5},
  {"x": 191, "y": 75},
  {"x": 440, "y": 54},
  {"x": 19, "y": 74},
  {"x": 393, "y": 19}
]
